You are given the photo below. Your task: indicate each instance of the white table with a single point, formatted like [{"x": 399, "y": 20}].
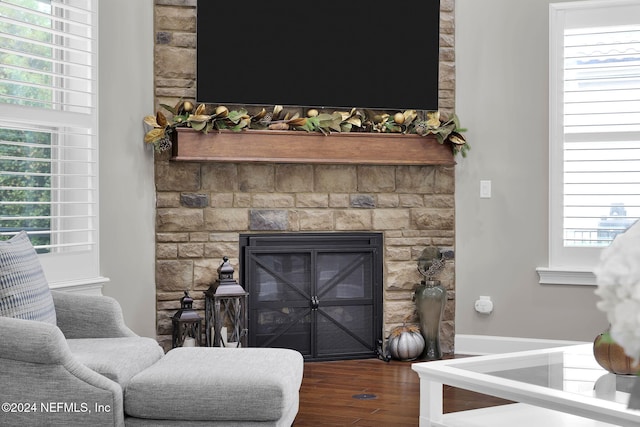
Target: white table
[{"x": 554, "y": 387}]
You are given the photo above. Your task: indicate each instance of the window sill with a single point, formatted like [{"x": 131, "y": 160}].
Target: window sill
[
  {"x": 91, "y": 286},
  {"x": 566, "y": 276}
]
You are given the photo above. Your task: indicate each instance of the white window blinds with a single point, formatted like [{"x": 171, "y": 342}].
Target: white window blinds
[
  {"x": 595, "y": 126},
  {"x": 48, "y": 142},
  {"x": 601, "y": 133}
]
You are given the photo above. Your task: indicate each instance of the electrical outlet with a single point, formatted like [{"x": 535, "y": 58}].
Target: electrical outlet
[{"x": 484, "y": 305}]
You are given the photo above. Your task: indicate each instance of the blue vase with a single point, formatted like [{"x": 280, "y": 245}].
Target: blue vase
[{"x": 430, "y": 298}]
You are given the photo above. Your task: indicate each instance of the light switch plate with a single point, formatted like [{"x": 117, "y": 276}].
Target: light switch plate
[{"x": 485, "y": 189}]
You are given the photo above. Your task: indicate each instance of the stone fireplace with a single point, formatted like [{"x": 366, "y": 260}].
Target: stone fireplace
[{"x": 203, "y": 207}]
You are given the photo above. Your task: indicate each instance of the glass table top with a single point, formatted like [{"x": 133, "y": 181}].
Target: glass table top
[
  {"x": 564, "y": 380},
  {"x": 570, "y": 369}
]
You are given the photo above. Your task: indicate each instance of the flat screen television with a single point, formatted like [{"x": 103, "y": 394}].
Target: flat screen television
[{"x": 374, "y": 54}]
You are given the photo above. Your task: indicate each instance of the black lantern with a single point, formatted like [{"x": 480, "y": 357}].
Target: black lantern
[
  {"x": 225, "y": 308},
  {"x": 187, "y": 324}
]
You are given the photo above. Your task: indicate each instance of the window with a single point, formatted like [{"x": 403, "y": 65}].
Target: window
[
  {"x": 48, "y": 132},
  {"x": 594, "y": 128}
]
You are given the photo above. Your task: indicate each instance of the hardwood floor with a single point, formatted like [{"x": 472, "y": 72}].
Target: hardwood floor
[{"x": 328, "y": 390}]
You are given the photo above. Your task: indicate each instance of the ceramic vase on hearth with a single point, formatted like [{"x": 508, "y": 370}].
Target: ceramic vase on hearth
[{"x": 430, "y": 298}]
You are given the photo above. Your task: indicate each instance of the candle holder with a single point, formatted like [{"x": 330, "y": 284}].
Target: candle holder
[{"x": 187, "y": 324}]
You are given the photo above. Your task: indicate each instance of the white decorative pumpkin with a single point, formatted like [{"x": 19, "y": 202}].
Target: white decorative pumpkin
[{"x": 405, "y": 343}]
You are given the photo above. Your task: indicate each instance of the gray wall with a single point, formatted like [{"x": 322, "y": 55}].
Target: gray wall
[
  {"x": 502, "y": 62},
  {"x": 127, "y": 193},
  {"x": 502, "y": 98}
]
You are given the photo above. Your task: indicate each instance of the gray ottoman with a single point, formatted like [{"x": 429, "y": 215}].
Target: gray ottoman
[{"x": 217, "y": 386}]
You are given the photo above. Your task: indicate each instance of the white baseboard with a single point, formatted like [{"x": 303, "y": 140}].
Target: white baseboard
[{"x": 486, "y": 344}]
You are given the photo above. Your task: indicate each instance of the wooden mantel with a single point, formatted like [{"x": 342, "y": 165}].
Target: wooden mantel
[{"x": 302, "y": 147}]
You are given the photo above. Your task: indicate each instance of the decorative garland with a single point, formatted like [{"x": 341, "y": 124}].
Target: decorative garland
[{"x": 206, "y": 118}]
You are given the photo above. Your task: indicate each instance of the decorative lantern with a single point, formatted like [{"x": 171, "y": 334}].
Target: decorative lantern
[
  {"x": 225, "y": 307},
  {"x": 187, "y": 324}
]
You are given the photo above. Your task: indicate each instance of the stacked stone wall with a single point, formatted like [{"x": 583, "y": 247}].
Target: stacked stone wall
[{"x": 203, "y": 207}]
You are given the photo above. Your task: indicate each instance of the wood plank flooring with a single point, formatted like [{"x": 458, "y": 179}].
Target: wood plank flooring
[{"x": 326, "y": 395}]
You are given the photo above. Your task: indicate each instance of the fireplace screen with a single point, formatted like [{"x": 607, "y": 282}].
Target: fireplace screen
[{"x": 319, "y": 293}]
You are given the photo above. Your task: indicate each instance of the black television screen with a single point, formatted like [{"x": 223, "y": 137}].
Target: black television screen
[{"x": 336, "y": 54}]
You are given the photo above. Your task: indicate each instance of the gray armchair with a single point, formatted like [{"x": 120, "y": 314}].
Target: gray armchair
[
  {"x": 72, "y": 374},
  {"x": 69, "y": 360}
]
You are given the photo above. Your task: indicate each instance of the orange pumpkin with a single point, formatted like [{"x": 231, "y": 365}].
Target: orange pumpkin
[{"x": 612, "y": 357}]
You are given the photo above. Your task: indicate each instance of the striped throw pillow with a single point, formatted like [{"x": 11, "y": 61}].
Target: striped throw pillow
[{"x": 24, "y": 290}]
